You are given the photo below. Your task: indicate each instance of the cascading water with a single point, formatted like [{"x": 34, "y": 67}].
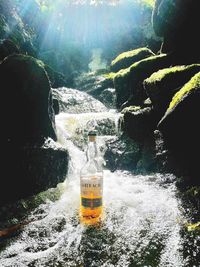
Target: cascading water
[{"x": 141, "y": 226}]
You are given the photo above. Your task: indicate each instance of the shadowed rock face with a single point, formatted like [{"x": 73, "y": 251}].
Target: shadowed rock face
[
  {"x": 31, "y": 170},
  {"x": 177, "y": 22},
  {"x": 7, "y": 47},
  {"x": 180, "y": 128},
  {"x": 28, "y": 117},
  {"x": 28, "y": 120}
]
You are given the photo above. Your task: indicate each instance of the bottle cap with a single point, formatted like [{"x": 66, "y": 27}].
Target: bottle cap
[{"x": 92, "y": 133}]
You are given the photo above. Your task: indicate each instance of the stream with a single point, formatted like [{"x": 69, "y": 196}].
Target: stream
[{"x": 142, "y": 224}]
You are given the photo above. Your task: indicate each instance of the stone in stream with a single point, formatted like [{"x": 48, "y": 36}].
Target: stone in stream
[{"x": 28, "y": 120}]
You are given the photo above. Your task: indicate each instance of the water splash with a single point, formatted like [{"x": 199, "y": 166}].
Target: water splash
[{"x": 141, "y": 218}]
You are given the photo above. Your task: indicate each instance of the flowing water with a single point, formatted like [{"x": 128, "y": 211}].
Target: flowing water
[{"x": 141, "y": 224}]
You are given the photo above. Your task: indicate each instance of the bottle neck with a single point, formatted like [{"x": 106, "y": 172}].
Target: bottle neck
[{"x": 92, "y": 152}]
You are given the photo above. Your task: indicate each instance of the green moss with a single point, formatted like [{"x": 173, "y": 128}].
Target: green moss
[
  {"x": 109, "y": 76},
  {"x": 139, "y": 65},
  {"x": 161, "y": 74},
  {"x": 130, "y": 54},
  {"x": 131, "y": 109},
  {"x": 192, "y": 85}
]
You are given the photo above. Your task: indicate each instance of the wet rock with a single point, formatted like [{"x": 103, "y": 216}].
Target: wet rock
[
  {"x": 74, "y": 101},
  {"x": 124, "y": 153},
  {"x": 94, "y": 83},
  {"x": 108, "y": 97}
]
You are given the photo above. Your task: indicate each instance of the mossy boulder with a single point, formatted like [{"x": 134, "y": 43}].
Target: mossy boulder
[
  {"x": 129, "y": 82},
  {"x": 30, "y": 118},
  {"x": 180, "y": 128},
  {"x": 162, "y": 85},
  {"x": 126, "y": 59}
]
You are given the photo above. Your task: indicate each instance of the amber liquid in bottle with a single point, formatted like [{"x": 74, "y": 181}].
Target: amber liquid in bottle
[
  {"x": 91, "y": 199},
  {"x": 91, "y": 187}
]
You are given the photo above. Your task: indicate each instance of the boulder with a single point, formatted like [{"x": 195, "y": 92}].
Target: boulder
[
  {"x": 74, "y": 101},
  {"x": 138, "y": 123},
  {"x": 129, "y": 82},
  {"x": 30, "y": 170},
  {"x": 179, "y": 126},
  {"x": 176, "y": 22},
  {"x": 28, "y": 117},
  {"x": 108, "y": 97},
  {"x": 126, "y": 59},
  {"x": 162, "y": 85}
]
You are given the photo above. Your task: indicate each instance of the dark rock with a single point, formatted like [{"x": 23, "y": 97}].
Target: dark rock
[
  {"x": 139, "y": 123},
  {"x": 124, "y": 153},
  {"x": 56, "y": 106},
  {"x": 176, "y": 22},
  {"x": 57, "y": 79},
  {"x": 30, "y": 170},
  {"x": 94, "y": 83},
  {"x": 7, "y": 47},
  {"x": 180, "y": 128},
  {"x": 25, "y": 87},
  {"x": 108, "y": 97}
]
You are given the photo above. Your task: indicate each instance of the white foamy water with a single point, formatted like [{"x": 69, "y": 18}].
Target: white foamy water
[{"x": 140, "y": 226}]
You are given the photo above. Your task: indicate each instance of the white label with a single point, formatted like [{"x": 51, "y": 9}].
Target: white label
[{"x": 91, "y": 186}]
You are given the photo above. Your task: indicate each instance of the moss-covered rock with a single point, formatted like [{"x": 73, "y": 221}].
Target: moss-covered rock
[
  {"x": 26, "y": 89},
  {"x": 126, "y": 59},
  {"x": 163, "y": 84},
  {"x": 129, "y": 82},
  {"x": 180, "y": 128}
]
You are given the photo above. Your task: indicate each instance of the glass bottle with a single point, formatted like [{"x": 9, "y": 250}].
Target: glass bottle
[{"x": 91, "y": 184}]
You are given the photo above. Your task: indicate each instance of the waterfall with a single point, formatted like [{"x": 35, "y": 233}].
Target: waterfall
[{"x": 141, "y": 225}]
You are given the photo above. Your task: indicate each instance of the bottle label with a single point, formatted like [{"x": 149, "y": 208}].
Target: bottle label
[
  {"x": 91, "y": 191},
  {"x": 91, "y": 202}
]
